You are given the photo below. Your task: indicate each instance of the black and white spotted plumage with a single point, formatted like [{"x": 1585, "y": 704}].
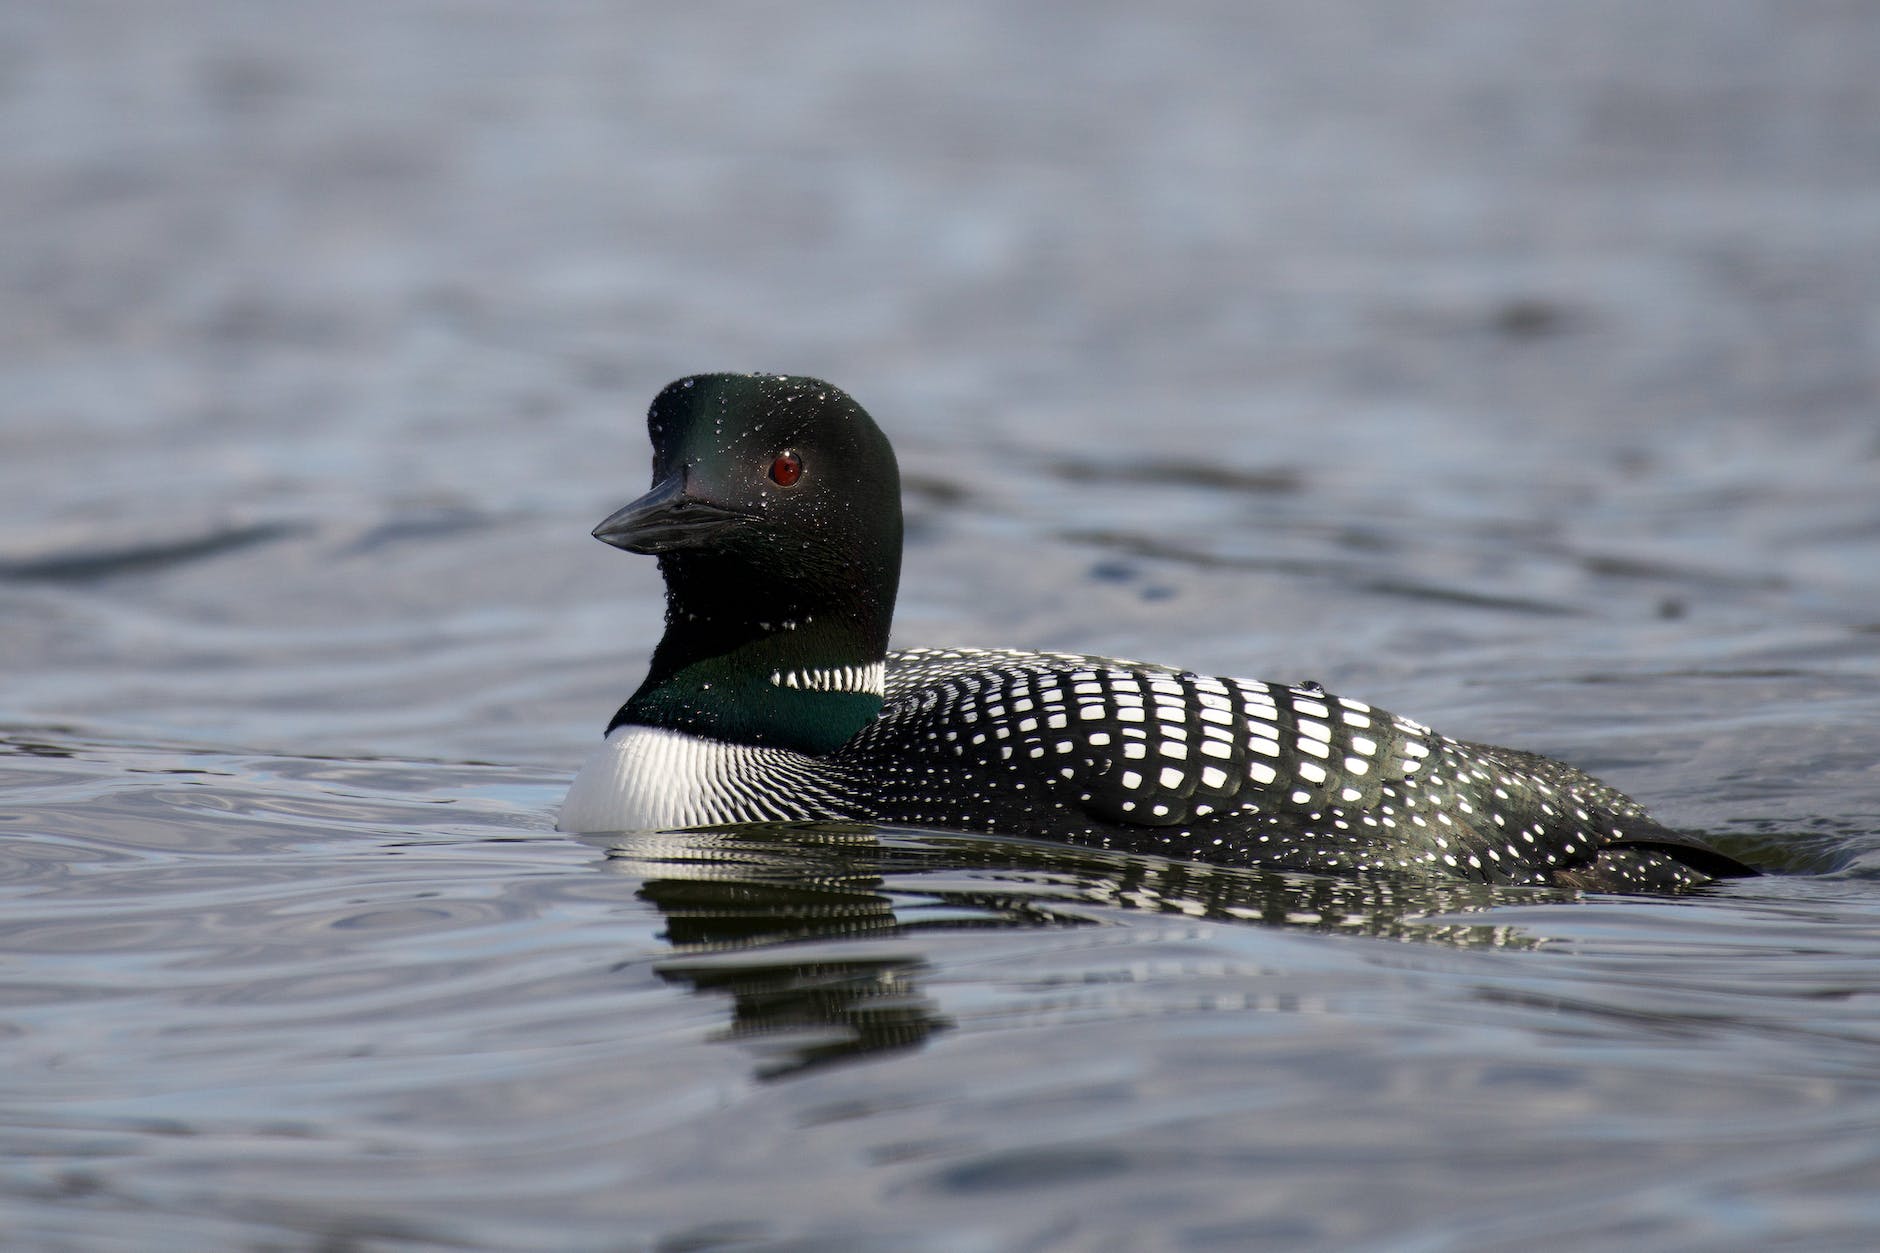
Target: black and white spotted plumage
[{"x": 1143, "y": 758}]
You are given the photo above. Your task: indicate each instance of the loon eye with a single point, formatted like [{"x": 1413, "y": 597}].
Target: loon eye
[{"x": 786, "y": 469}]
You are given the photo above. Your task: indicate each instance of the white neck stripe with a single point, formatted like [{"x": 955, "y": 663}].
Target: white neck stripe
[{"x": 870, "y": 679}]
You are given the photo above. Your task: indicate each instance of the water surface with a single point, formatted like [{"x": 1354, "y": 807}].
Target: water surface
[{"x": 1508, "y": 366}]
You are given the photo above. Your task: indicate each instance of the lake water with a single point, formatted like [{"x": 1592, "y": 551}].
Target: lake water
[{"x": 1513, "y": 366}]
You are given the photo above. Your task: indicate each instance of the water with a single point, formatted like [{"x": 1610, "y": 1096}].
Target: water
[{"x": 1510, "y": 366}]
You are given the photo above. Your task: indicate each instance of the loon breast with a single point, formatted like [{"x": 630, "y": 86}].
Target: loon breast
[{"x": 655, "y": 779}]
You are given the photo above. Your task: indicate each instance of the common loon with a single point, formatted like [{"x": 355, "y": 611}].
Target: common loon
[{"x": 775, "y": 513}]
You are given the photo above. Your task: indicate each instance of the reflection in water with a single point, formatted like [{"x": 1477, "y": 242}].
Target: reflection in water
[
  {"x": 19, "y": 745},
  {"x": 723, "y": 892},
  {"x": 803, "y": 1014},
  {"x": 745, "y": 909}
]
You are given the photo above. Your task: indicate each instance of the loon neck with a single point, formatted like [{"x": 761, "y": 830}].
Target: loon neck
[{"x": 749, "y": 660}]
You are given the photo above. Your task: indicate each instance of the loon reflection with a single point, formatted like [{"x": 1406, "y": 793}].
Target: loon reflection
[{"x": 781, "y": 918}]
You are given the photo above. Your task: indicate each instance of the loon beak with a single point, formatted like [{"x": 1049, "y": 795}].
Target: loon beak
[{"x": 666, "y": 518}]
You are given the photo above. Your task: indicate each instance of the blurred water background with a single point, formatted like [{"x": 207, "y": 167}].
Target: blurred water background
[{"x": 1515, "y": 366}]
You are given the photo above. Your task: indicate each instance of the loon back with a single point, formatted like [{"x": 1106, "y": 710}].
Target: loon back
[{"x": 775, "y": 513}]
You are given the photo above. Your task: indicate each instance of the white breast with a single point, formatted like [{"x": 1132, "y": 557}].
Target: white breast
[{"x": 653, "y": 779}]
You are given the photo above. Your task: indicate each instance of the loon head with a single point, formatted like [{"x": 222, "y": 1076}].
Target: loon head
[{"x": 775, "y": 513}]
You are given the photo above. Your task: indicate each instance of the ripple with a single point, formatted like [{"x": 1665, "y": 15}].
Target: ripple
[{"x": 94, "y": 560}]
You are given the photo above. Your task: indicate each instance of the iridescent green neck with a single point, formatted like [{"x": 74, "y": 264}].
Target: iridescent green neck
[{"x": 799, "y": 677}]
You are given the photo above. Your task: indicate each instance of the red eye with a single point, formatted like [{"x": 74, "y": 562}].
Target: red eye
[{"x": 786, "y": 469}]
